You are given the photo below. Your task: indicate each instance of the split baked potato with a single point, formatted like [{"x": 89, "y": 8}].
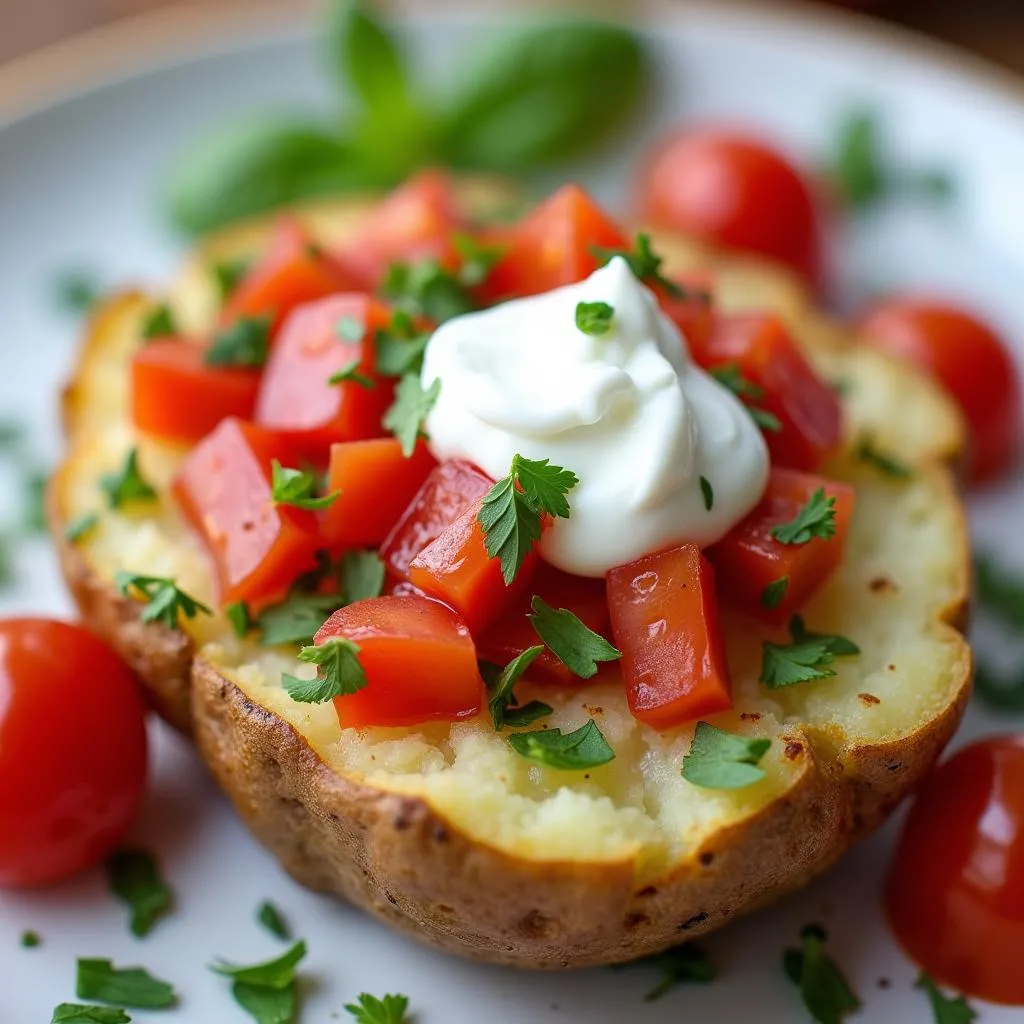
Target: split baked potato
[{"x": 442, "y": 830}]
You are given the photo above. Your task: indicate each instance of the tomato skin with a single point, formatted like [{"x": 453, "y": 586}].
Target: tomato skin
[
  {"x": 177, "y": 397},
  {"x": 664, "y": 615},
  {"x": 419, "y": 659},
  {"x": 72, "y": 750},
  {"x": 376, "y": 483},
  {"x": 809, "y": 411},
  {"x": 749, "y": 558},
  {"x": 296, "y": 399},
  {"x": 292, "y": 271},
  {"x": 955, "y": 894},
  {"x": 694, "y": 312},
  {"x": 966, "y": 356},
  {"x": 444, "y": 496},
  {"x": 223, "y": 489},
  {"x": 732, "y": 190},
  {"x": 553, "y": 246}
]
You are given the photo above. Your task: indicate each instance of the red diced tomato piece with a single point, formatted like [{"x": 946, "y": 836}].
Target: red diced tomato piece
[
  {"x": 177, "y": 397},
  {"x": 375, "y": 482},
  {"x": 293, "y": 270},
  {"x": 223, "y": 488},
  {"x": 693, "y": 312},
  {"x": 296, "y": 398},
  {"x": 807, "y": 408},
  {"x": 664, "y": 613},
  {"x": 749, "y": 558},
  {"x": 553, "y": 246},
  {"x": 513, "y": 632},
  {"x": 449, "y": 490},
  {"x": 419, "y": 660}
]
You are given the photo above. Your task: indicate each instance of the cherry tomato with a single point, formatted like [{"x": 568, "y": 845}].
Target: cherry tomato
[
  {"x": 72, "y": 750},
  {"x": 969, "y": 359},
  {"x": 733, "y": 191},
  {"x": 955, "y": 896}
]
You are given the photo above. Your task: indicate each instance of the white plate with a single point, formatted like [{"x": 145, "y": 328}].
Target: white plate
[{"x": 77, "y": 185}]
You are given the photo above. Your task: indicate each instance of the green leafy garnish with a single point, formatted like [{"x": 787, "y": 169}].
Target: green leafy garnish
[
  {"x": 127, "y": 484},
  {"x": 277, "y": 973},
  {"x": 296, "y": 619},
  {"x": 999, "y": 591},
  {"x": 30, "y": 940},
  {"x": 159, "y": 323},
  {"x": 165, "y": 603},
  {"x": 77, "y": 1013},
  {"x": 594, "y": 317},
  {"x": 775, "y": 592},
  {"x": 237, "y": 614},
  {"x": 579, "y": 750},
  {"x": 816, "y": 519},
  {"x": 350, "y": 373},
  {"x": 133, "y": 876},
  {"x": 722, "y": 760},
  {"x": 400, "y": 346},
  {"x": 503, "y": 681},
  {"x": 270, "y": 917},
  {"x": 575, "y": 645},
  {"x": 510, "y": 514},
  {"x": 124, "y": 986},
  {"x": 840, "y": 646},
  {"x": 708, "y": 492},
  {"x": 886, "y": 464},
  {"x": 477, "y": 260},
  {"x": 246, "y": 343},
  {"x": 339, "y": 672},
  {"x": 362, "y": 575},
  {"x": 412, "y": 405},
  {"x": 228, "y": 275},
  {"x": 297, "y": 487},
  {"x": 76, "y": 291},
  {"x": 678, "y": 965},
  {"x": 730, "y": 376},
  {"x": 371, "y": 1010},
  {"x": 266, "y": 991},
  {"x": 425, "y": 288},
  {"x": 36, "y": 482},
  {"x": 81, "y": 526},
  {"x": 806, "y": 659},
  {"x": 645, "y": 265},
  {"x": 945, "y": 1010},
  {"x": 823, "y": 988}
]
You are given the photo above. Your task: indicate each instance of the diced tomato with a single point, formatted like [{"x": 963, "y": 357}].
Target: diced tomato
[
  {"x": 767, "y": 356},
  {"x": 449, "y": 490},
  {"x": 749, "y": 558},
  {"x": 664, "y": 614},
  {"x": 553, "y": 246},
  {"x": 294, "y": 270},
  {"x": 693, "y": 312},
  {"x": 223, "y": 488},
  {"x": 375, "y": 482},
  {"x": 416, "y": 221},
  {"x": 513, "y": 633},
  {"x": 419, "y": 660},
  {"x": 456, "y": 568},
  {"x": 296, "y": 398},
  {"x": 177, "y": 397}
]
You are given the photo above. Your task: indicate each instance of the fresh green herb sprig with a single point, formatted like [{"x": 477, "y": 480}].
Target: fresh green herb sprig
[
  {"x": 730, "y": 376},
  {"x": 267, "y": 991},
  {"x": 824, "y": 989},
  {"x": 273, "y": 920},
  {"x": 817, "y": 518},
  {"x": 389, "y": 1009},
  {"x": 79, "y": 1013},
  {"x": 411, "y": 407},
  {"x": 594, "y": 318},
  {"x": 570, "y": 640},
  {"x": 580, "y": 750},
  {"x": 134, "y": 877},
  {"x": 723, "y": 760},
  {"x": 245, "y": 343},
  {"x": 125, "y": 986},
  {"x": 165, "y": 602},
  {"x": 807, "y": 658},
  {"x": 684, "y": 964},
  {"x": 297, "y": 488},
  {"x": 339, "y": 672},
  {"x": 127, "y": 484},
  {"x": 502, "y": 705},
  {"x": 945, "y": 1009}
]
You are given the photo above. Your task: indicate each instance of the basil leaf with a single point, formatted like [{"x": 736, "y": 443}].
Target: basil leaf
[{"x": 579, "y": 750}]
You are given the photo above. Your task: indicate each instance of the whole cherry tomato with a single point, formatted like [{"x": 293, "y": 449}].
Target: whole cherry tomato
[
  {"x": 734, "y": 191},
  {"x": 969, "y": 359},
  {"x": 72, "y": 750}
]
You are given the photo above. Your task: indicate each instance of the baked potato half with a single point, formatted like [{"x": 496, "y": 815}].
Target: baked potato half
[{"x": 442, "y": 830}]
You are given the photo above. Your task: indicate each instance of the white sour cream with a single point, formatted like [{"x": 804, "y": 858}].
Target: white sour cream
[{"x": 628, "y": 412}]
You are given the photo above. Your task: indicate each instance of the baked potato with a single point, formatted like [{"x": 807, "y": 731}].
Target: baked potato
[{"x": 442, "y": 830}]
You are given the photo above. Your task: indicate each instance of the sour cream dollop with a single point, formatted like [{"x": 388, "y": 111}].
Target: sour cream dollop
[{"x": 627, "y": 411}]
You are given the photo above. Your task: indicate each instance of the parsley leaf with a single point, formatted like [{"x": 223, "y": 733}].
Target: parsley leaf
[
  {"x": 594, "y": 318},
  {"x": 296, "y": 487},
  {"x": 400, "y": 346},
  {"x": 788, "y": 664},
  {"x": 816, "y": 519},
  {"x": 722, "y": 760},
  {"x": 165, "y": 603},
  {"x": 575, "y": 645},
  {"x": 371, "y": 1010},
  {"x": 840, "y": 646},
  {"x": 825, "y": 992},
  {"x": 885, "y": 464},
  {"x": 238, "y": 615},
  {"x": 296, "y": 619},
  {"x": 76, "y": 291},
  {"x": 775, "y": 592},
  {"x": 133, "y": 876},
  {"x": 999, "y": 592},
  {"x": 270, "y": 917},
  {"x": 127, "y": 484},
  {"x": 81, "y": 526},
  {"x": 678, "y": 965},
  {"x": 267, "y": 1005},
  {"x": 520, "y": 715},
  {"x": 425, "y": 288},
  {"x": 339, "y": 674},
  {"x": 478, "y": 260},
  {"x": 76, "y": 1013},
  {"x": 731, "y": 377},
  {"x": 362, "y": 575},
  {"x": 411, "y": 406},
  {"x": 278, "y": 973},
  {"x": 944, "y": 1009},
  {"x": 349, "y": 373},
  {"x": 125, "y": 986},
  {"x": 645, "y": 264},
  {"x": 246, "y": 342},
  {"x": 228, "y": 275},
  {"x": 579, "y": 750},
  {"x": 30, "y": 940},
  {"x": 708, "y": 492},
  {"x": 159, "y": 323},
  {"x": 503, "y": 680}
]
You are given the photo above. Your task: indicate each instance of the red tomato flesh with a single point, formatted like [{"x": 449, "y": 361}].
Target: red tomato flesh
[
  {"x": 177, "y": 397},
  {"x": 419, "y": 660},
  {"x": 449, "y": 490},
  {"x": 376, "y": 483},
  {"x": 223, "y": 488},
  {"x": 297, "y": 400},
  {"x": 664, "y": 616},
  {"x": 748, "y": 559},
  {"x": 72, "y": 750},
  {"x": 955, "y": 896},
  {"x": 966, "y": 356},
  {"x": 694, "y": 313},
  {"x": 808, "y": 410}
]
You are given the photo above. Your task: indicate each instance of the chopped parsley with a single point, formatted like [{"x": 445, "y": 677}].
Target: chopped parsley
[
  {"x": 296, "y": 619},
  {"x": 775, "y": 592},
  {"x": 570, "y": 640},
  {"x": 277, "y": 973},
  {"x": 81, "y": 526},
  {"x": 594, "y": 318},
  {"x": 708, "y": 493},
  {"x": 400, "y": 346},
  {"x": 339, "y": 672},
  {"x": 816, "y": 519},
  {"x": 511, "y": 512},
  {"x": 500, "y": 683},
  {"x": 362, "y": 575},
  {"x": 807, "y": 658},
  {"x": 411, "y": 406},
  {"x": 425, "y": 288},
  {"x": 126, "y": 986},
  {"x": 885, "y": 464},
  {"x": 238, "y": 615},
  {"x": 77, "y": 1013},
  {"x": 296, "y": 488},
  {"x": 575, "y": 751},
  {"x": 350, "y": 373},
  {"x": 245, "y": 343},
  {"x": 30, "y": 940},
  {"x": 270, "y": 917},
  {"x": 159, "y": 323},
  {"x": 646, "y": 266},
  {"x": 825, "y": 991},
  {"x": 730, "y": 376},
  {"x": 678, "y": 966},
  {"x": 127, "y": 484},
  {"x": 477, "y": 259},
  {"x": 944, "y": 1009},
  {"x": 134, "y": 877},
  {"x": 391, "y": 1009},
  {"x": 268, "y": 992},
  {"x": 228, "y": 275},
  {"x": 722, "y": 760},
  {"x": 165, "y": 602}
]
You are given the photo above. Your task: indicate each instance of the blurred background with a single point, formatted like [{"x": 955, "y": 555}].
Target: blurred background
[{"x": 992, "y": 28}]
